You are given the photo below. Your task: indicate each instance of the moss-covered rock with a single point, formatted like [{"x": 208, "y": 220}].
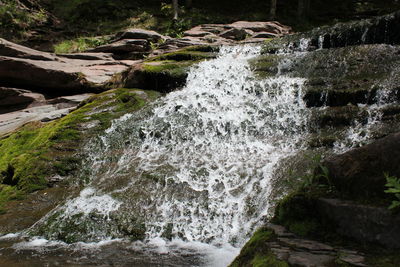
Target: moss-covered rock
[
  {"x": 39, "y": 153},
  {"x": 257, "y": 253},
  {"x": 166, "y": 72},
  {"x": 377, "y": 30}
]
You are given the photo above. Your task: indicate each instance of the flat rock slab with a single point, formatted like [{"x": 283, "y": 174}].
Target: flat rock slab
[
  {"x": 23, "y": 67},
  {"x": 303, "y": 252},
  {"x": 51, "y": 110}
]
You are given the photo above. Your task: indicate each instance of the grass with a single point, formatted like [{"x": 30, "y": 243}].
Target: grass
[{"x": 80, "y": 44}]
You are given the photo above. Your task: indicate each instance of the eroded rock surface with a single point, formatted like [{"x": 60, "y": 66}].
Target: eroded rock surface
[{"x": 26, "y": 68}]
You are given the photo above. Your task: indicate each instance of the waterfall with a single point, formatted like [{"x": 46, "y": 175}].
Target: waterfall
[{"x": 195, "y": 166}]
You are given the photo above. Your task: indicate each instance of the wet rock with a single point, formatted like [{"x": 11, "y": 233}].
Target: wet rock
[
  {"x": 378, "y": 30},
  {"x": 362, "y": 223},
  {"x": 359, "y": 173},
  {"x": 283, "y": 248}
]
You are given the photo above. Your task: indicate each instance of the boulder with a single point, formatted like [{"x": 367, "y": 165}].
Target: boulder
[
  {"x": 363, "y": 223},
  {"x": 236, "y": 34},
  {"x": 134, "y": 33},
  {"x": 360, "y": 173}
]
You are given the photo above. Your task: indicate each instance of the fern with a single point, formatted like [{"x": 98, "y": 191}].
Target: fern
[{"x": 393, "y": 185}]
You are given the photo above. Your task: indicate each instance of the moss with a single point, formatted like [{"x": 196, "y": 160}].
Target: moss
[
  {"x": 297, "y": 212},
  {"x": 185, "y": 55},
  {"x": 171, "y": 68},
  {"x": 256, "y": 251},
  {"x": 39, "y": 150},
  {"x": 268, "y": 260}
]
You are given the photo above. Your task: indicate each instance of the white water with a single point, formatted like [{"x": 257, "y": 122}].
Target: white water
[{"x": 197, "y": 166}]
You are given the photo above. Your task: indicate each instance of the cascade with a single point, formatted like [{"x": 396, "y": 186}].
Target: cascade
[
  {"x": 195, "y": 166},
  {"x": 192, "y": 171}
]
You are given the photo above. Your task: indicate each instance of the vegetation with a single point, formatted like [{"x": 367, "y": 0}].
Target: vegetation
[
  {"x": 256, "y": 253},
  {"x": 393, "y": 185},
  {"x": 80, "y": 44},
  {"x": 42, "y": 19}
]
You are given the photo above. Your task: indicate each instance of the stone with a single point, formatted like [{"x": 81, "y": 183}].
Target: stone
[
  {"x": 305, "y": 244},
  {"x": 135, "y": 33},
  {"x": 366, "y": 224},
  {"x": 272, "y": 27},
  {"x": 44, "y": 111},
  {"x": 305, "y": 259},
  {"x": 89, "y": 56},
  {"x": 10, "y": 49},
  {"x": 13, "y": 98},
  {"x": 58, "y": 75},
  {"x": 235, "y": 34},
  {"x": 359, "y": 173},
  {"x": 196, "y": 32},
  {"x": 124, "y": 46},
  {"x": 264, "y": 35}
]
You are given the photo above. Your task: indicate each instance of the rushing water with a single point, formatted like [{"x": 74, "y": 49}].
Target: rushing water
[
  {"x": 190, "y": 174},
  {"x": 193, "y": 171}
]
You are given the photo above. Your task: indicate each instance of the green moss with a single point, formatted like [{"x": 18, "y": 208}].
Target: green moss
[
  {"x": 168, "y": 66},
  {"x": 40, "y": 150},
  {"x": 184, "y": 55},
  {"x": 256, "y": 251},
  {"x": 297, "y": 213},
  {"x": 268, "y": 260}
]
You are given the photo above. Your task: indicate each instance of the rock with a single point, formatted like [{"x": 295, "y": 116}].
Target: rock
[
  {"x": 57, "y": 75},
  {"x": 305, "y": 259},
  {"x": 292, "y": 250},
  {"x": 378, "y": 30},
  {"x": 264, "y": 35},
  {"x": 366, "y": 224},
  {"x": 12, "y": 99},
  {"x": 153, "y": 76},
  {"x": 10, "y": 49},
  {"x": 236, "y": 34},
  {"x": 197, "y": 32},
  {"x": 27, "y": 73},
  {"x": 359, "y": 173},
  {"x": 89, "y": 56},
  {"x": 124, "y": 46},
  {"x": 134, "y": 33},
  {"x": 44, "y": 111},
  {"x": 272, "y": 27}
]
